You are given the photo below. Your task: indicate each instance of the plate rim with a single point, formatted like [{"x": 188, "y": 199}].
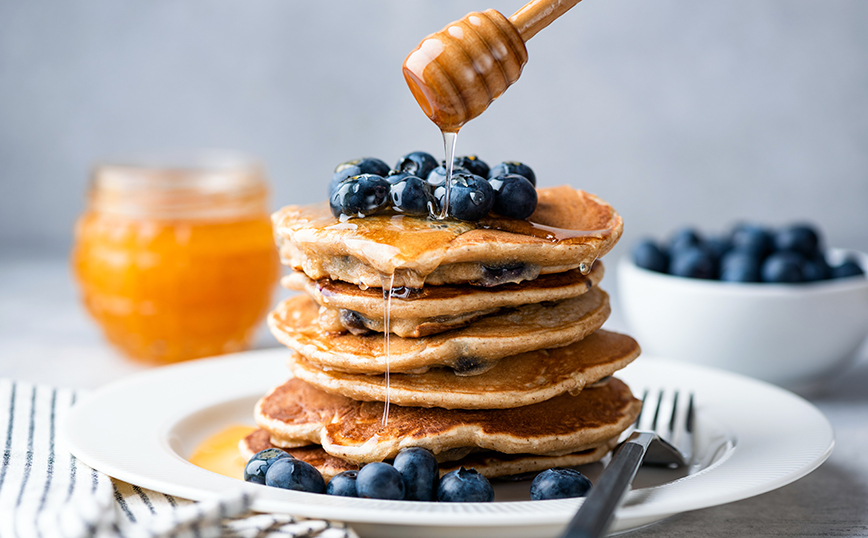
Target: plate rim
[{"x": 509, "y": 513}]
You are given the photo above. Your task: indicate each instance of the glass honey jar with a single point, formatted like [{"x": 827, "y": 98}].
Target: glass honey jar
[{"x": 177, "y": 261}]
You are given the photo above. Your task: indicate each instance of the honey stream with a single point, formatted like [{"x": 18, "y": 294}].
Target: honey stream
[
  {"x": 388, "y": 290},
  {"x": 449, "y": 140}
]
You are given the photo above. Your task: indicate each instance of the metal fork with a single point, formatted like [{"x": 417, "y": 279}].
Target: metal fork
[{"x": 655, "y": 441}]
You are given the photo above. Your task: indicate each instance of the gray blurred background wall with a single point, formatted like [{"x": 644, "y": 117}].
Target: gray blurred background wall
[{"x": 676, "y": 111}]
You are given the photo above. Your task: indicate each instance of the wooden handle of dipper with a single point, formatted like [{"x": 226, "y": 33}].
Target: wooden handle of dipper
[
  {"x": 456, "y": 73},
  {"x": 537, "y": 14}
]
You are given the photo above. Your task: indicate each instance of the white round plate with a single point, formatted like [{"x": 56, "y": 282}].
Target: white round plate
[{"x": 750, "y": 438}]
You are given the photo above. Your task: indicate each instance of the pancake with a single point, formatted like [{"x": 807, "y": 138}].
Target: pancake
[
  {"x": 570, "y": 229},
  {"x": 469, "y": 351},
  {"x": 432, "y": 309},
  {"x": 515, "y": 381},
  {"x": 353, "y": 431},
  {"x": 487, "y": 463},
  {"x": 335, "y": 320}
]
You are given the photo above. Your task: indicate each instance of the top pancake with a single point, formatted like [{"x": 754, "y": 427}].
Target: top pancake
[{"x": 570, "y": 229}]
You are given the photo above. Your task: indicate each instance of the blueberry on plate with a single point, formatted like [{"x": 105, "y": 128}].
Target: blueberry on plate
[
  {"x": 740, "y": 266},
  {"x": 357, "y": 167},
  {"x": 380, "y": 481},
  {"x": 472, "y": 164},
  {"x": 417, "y": 163},
  {"x": 514, "y": 196},
  {"x": 359, "y": 196},
  {"x": 290, "y": 473},
  {"x": 692, "y": 262},
  {"x": 782, "y": 267},
  {"x": 437, "y": 177},
  {"x": 463, "y": 486},
  {"x": 559, "y": 483},
  {"x": 420, "y": 472},
  {"x": 513, "y": 167},
  {"x": 683, "y": 239},
  {"x": 413, "y": 196},
  {"x": 801, "y": 238},
  {"x": 648, "y": 255},
  {"x": 343, "y": 484},
  {"x": 847, "y": 269},
  {"x": 471, "y": 197},
  {"x": 752, "y": 238},
  {"x": 258, "y": 465}
]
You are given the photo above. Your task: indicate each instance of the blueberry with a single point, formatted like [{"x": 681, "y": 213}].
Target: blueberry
[
  {"x": 648, "y": 255},
  {"x": 290, "y": 473},
  {"x": 464, "y": 485},
  {"x": 816, "y": 268},
  {"x": 417, "y": 163},
  {"x": 514, "y": 196},
  {"x": 357, "y": 167},
  {"x": 716, "y": 246},
  {"x": 471, "y": 197},
  {"x": 782, "y": 267},
  {"x": 437, "y": 177},
  {"x": 413, "y": 196},
  {"x": 752, "y": 238},
  {"x": 683, "y": 239},
  {"x": 473, "y": 164},
  {"x": 359, "y": 196},
  {"x": 559, "y": 483},
  {"x": 513, "y": 167},
  {"x": 801, "y": 238},
  {"x": 258, "y": 465},
  {"x": 395, "y": 177},
  {"x": 342, "y": 174},
  {"x": 740, "y": 266},
  {"x": 493, "y": 275},
  {"x": 380, "y": 481},
  {"x": 420, "y": 471},
  {"x": 847, "y": 269},
  {"x": 692, "y": 262},
  {"x": 368, "y": 165},
  {"x": 343, "y": 484}
]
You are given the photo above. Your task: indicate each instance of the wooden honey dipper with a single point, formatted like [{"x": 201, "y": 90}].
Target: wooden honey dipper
[{"x": 457, "y": 72}]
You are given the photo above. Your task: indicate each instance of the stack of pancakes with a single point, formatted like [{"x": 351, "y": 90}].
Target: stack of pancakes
[{"x": 494, "y": 358}]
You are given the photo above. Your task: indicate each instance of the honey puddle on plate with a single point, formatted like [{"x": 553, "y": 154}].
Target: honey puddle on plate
[{"x": 219, "y": 453}]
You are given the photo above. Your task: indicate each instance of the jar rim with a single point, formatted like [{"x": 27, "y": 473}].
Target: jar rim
[
  {"x": 199, "y": 184},
  {"x": 209, "y": 169}
]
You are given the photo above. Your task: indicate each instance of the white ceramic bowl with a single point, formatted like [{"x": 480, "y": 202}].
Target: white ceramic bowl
[{"x": 793, "y": 335}]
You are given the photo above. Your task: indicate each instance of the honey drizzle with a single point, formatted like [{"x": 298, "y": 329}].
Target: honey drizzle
[
  {"x": 449, "y": 140},
  {"x": 388, "y": 291}
]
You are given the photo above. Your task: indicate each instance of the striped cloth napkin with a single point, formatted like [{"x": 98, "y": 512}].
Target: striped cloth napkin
[{"x": 45, "y": 492}]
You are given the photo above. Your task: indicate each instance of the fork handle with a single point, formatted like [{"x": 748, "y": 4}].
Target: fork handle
[{"x": 596, "y": 512}]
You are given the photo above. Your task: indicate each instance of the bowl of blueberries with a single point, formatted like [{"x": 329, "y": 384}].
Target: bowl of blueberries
[{"x": 771, "y": 303}]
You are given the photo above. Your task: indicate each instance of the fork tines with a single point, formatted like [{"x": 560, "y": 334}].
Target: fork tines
[{"x": 670, "y": 414}]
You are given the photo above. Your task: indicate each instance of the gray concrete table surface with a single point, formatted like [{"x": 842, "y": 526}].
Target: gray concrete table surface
[{"x": 46, "y": 337}]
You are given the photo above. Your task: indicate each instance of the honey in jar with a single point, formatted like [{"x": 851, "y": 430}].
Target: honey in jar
[{"x": 177, "y": 262}]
